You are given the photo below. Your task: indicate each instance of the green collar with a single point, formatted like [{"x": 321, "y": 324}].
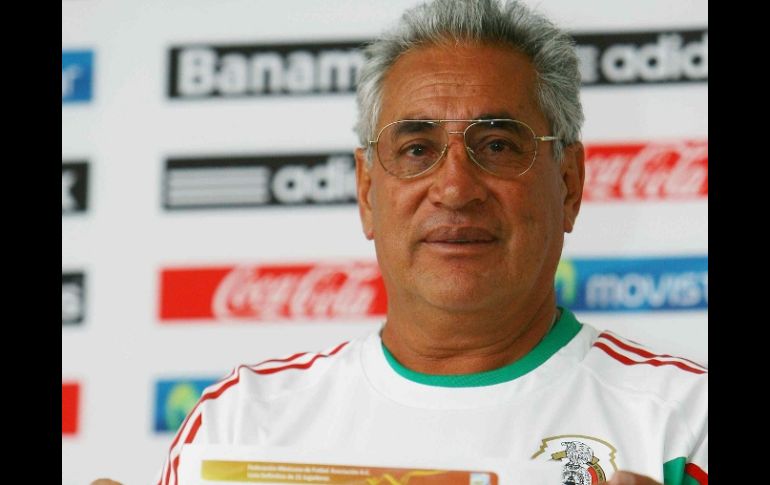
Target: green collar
[{"x": 562, "y": 332}]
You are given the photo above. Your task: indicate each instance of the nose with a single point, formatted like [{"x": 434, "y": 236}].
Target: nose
[{"x": 458, "y": 181}]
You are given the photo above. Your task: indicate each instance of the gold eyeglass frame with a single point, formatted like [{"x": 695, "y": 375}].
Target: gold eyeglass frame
[{"x": 465, "y": 142}]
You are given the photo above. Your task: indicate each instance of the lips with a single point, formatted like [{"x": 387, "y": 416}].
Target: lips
[{"x": 459, "y": 235}]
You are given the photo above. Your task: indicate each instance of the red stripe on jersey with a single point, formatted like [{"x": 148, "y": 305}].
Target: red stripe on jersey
[
  {"x": 287, "y": 359},
  {"x": 176, "y": 464},
  {"x": 189, "y": 439},
  {"x": 197, "y": 423},
  {"x": 697, "y": 473},
  {"x": 641, "y": 351},
  {"x": 225, "y": 384},
  {"x": 306, "y": 365},
  {"x": 654, "y": 362},
  {"x": 215, "y": 394},
  {"x": 194, "y": 430},
  {"x": 168, "y": 471}
]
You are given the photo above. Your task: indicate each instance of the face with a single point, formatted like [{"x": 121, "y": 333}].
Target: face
[{"x": 458, "y": 238}]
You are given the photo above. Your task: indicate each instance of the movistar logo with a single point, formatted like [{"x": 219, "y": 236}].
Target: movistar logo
[
  {"x": 174, "y": 399},
  {"x": 566, "y": 283},
  {"x": 179, "y": 402}
]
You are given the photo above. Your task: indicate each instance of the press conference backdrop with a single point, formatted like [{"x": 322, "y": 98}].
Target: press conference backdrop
[{"x": 208, "y": 198}]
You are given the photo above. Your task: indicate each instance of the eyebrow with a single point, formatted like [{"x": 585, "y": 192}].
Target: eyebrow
[
  {"x": 413, "y": 126},
  {"x": 498, "y": 115},
  {"x": 483, "y": 116}
]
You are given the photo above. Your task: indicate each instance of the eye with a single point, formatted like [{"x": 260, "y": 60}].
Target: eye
[
  {"x": 416, "y": 150},
  {"x": 499, "y": 146}
]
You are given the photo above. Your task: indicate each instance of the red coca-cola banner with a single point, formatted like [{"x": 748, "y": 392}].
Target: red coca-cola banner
[
  {"x": 671, "y": 170},
  {"x": 270, "y": 293},
  {"x": 70, "y": 393}
]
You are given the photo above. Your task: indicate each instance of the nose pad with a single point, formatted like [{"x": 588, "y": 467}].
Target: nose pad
[
  {"x": 468, "y": 151},
  {"x": 472, "y": 155}
]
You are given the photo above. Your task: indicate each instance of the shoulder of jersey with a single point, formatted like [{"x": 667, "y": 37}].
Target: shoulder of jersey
[
  {"x": 275, "y": 377},
  {"x": 626, "y": 364}
]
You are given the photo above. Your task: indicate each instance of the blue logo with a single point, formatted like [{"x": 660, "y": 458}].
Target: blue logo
[
  {"x": 76, "y": 76},
  {"x": 633, "y": 284},
  {"x": 174, "y": 399}
]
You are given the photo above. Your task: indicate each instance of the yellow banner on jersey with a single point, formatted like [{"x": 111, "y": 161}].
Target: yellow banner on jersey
[{"x": 304, "y": 473}]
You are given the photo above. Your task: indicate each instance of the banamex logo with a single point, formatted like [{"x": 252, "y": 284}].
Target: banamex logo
[{"x": 200, "y": 71}]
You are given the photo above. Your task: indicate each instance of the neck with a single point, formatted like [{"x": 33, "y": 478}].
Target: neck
[{"x": 442, "y": 343}]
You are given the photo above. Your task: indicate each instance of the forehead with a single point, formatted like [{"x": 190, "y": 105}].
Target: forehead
[{"x": 460, "y": 81}]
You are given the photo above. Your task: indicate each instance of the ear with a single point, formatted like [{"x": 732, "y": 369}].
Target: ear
[
  {"x": 363, "y": 187},
  {"x": 572, "y": 176}
]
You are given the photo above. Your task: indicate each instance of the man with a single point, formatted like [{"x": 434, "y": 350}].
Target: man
[{"x": 469, "y": 174}]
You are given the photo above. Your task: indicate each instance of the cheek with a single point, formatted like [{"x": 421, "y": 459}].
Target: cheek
[
  {"x": 535, "y": 221},
  {"x": 393, "y": 207},
  {"x": 385, "y": 218}
]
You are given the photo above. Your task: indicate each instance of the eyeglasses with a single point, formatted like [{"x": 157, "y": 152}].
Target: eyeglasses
[{"x": 506, "y": 148}]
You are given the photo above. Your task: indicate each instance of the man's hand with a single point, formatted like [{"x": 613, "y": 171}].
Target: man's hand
[{"x": 628, "y": 478}]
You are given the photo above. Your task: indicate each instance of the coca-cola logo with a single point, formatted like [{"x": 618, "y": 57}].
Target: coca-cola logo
[
  {"x": 316, "y": 292},
  {"x": 676, "y": 170},
  {"x": 270, "y": 293}
]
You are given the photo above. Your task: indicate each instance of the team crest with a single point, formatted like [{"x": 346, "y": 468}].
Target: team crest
[{"x": 585, "y": 460}]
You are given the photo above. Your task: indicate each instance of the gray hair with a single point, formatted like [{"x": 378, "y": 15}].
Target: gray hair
[{"x": 550, "y": 49}]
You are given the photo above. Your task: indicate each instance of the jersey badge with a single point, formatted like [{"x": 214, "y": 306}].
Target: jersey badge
[{"x": 585, "y": 460}]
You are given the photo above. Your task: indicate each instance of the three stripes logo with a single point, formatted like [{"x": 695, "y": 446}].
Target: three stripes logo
[{"x": 630, "y": 353}]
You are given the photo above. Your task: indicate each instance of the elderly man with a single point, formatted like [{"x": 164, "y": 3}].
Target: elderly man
[{"x": 469, "y": 174}]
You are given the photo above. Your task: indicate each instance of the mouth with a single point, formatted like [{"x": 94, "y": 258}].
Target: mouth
[{"x": 459, "y": 236}]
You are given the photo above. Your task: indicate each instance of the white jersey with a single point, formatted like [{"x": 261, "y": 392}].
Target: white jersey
[{"x": 589, "y": 402}]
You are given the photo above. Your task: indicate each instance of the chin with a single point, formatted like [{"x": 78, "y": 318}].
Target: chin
[{"x": 453, "y": 295}]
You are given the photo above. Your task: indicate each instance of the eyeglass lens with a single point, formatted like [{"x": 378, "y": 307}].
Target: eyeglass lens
[{"x": 504, "y": 147}]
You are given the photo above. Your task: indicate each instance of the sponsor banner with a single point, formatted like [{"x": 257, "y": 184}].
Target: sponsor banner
[
  {"x": 208, "y": 71},
  {"x": 293, "y": 180},
  {"x": 667, "y": 56},
  {"x": 76, "y": 75},
  {"x": 174, "y": 399},
  {"x": 269, "y": 293},
  {"x": 200, "y": 71},
  {"x": 74, "y": 187},
  {"x": 630, "y": 285},
  {"x": 72, "y": 298},
  {"x": 70, "y": 398},
  {"x": 646, "y": 171}
]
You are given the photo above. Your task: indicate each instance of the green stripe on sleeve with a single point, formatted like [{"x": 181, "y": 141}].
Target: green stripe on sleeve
[{"x": 673, "y": 471}]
